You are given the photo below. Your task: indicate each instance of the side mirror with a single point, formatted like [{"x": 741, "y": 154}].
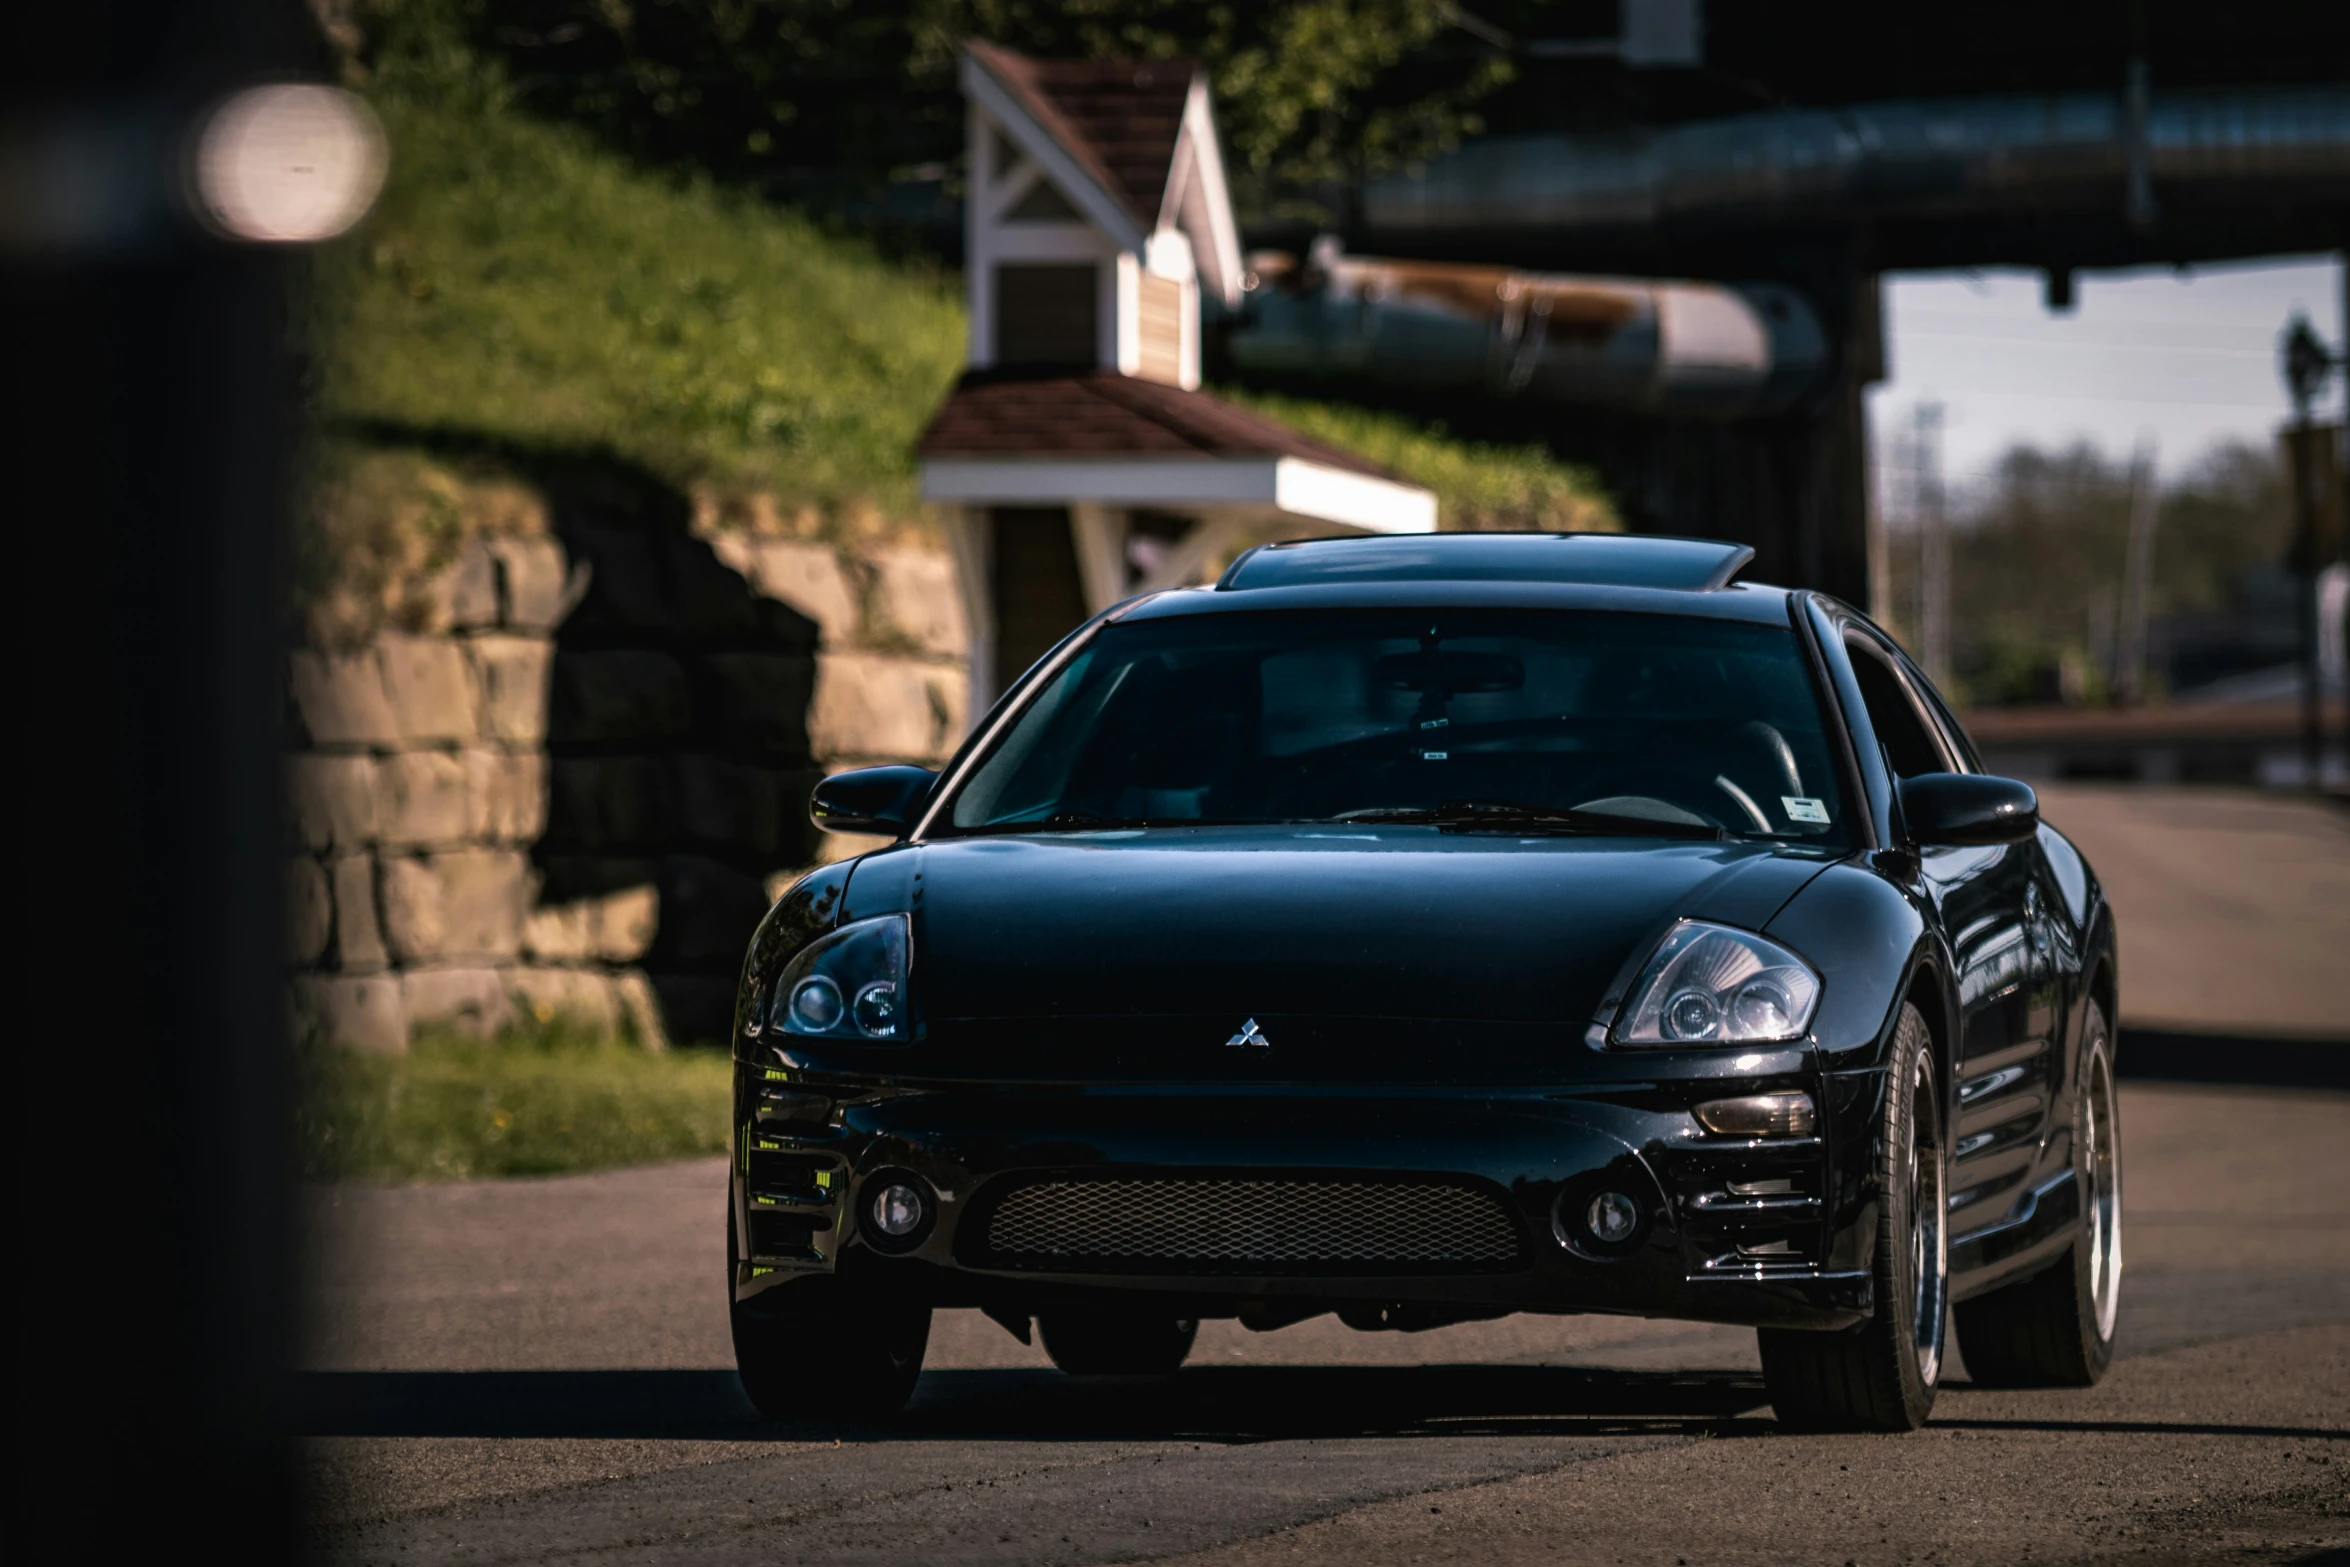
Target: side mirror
[
  {"x": 1967, "y": 810},
  {"x": 870, "y": 799}
]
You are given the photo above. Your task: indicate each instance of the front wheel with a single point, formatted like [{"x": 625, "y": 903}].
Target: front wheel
[
  {"x": 2055, "y": 1329},
  {"x": 824, "y": 1349},
  {"x": 1881, "y": 1375},
  {"x": 1110, "y": 1343}
]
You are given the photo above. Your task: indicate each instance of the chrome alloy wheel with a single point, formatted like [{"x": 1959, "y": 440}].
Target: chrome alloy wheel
[
  {"x": 2101, "y": 1166},
  {"x": 1929, "y": 1235}
]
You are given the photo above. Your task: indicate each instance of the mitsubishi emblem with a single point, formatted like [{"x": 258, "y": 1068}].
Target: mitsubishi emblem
[{"x": 1249, "y": 1034}]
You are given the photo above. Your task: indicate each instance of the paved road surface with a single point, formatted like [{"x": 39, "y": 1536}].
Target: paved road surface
[
  {"x": 525, "y": 1371},
  {"x": 2234, "y": 906},
  {"x": 534, "y": 1370}
]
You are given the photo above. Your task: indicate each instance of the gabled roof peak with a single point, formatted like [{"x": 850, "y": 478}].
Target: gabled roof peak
[{"x": 1119, "y": 120}]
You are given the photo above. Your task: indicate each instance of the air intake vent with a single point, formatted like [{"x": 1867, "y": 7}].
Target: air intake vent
[
  {"x": 786, "y": 1234},
  {"x": 1267, "y": 1226}
]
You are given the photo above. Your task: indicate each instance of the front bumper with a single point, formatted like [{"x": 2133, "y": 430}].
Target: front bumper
[{"x": 1767, "y": 1232}]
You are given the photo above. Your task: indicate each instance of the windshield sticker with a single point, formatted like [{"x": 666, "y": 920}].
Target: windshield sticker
[{"x": 1800, "y": 809}]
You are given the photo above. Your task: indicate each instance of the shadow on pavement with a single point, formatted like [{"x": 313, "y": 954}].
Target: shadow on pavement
[
  {"x": 2144, "y": 1428},
  {"x": 1220, "y": 1404},
  {"x": 2152, "y": 1054}
]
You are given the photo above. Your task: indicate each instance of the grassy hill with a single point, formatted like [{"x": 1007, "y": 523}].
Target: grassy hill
[{"x": 521, "y": 286}]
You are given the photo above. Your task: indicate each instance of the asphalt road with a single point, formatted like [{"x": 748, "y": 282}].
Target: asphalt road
[
  {"x": 538, "y": 1370},
  {"x": 2234, "y": 906}
]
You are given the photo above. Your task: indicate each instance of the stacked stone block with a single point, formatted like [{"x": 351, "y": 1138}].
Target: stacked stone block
[
  {"x": 416, "y": 800},
  {"x": 576, "y": 788}
]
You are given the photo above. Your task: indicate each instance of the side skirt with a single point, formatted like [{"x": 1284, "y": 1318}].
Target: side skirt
[{"x": 2034, "y": 1233}]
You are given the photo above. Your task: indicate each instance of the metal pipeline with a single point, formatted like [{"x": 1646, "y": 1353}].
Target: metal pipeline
[
  {"x": 1704, "y": 350},
  {"x": 2074, "y": 152}
]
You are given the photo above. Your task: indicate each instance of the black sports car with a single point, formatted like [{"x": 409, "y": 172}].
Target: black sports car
[{"x": 1422, "y": 930}]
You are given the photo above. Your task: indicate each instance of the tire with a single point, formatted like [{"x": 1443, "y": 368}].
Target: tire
[
  {"x": 824, "y": 1349},
  {"x": 2055, "y": 1329},
  {"x": 1116, "y": 1343},
  {"x": 1881, "y": 1375}
]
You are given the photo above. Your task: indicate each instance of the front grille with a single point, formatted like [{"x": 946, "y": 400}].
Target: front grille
[{"x": 1255, "y": 1226}]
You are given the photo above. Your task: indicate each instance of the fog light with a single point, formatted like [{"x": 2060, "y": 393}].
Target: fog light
[
  {"x": 1603, "y": 1216},
  {"x": 1611, "y": 1218},
  {"x": 897, "y": 1210},
  {"x": 1760, "y": 1115}
]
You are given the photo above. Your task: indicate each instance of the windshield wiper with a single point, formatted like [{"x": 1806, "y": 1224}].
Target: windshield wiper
[
  {"x": 1516, "y": 815},
  {"x": 1088, "y": 821},
  {"x": 1059, "y": 821}
]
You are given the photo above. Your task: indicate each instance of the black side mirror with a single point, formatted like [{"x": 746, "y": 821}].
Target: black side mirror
[
  {"x": 870, "y": 799},
  {"x": 1967, "y": 810}
]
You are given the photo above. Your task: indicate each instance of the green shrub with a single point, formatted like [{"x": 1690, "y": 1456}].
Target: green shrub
[
  {"x": 538, "y": 1100},
  {"x": 1480, "y": 485}
]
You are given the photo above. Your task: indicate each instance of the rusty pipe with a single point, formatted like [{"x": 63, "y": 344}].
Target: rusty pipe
[{"x": 1706, "y": 350}]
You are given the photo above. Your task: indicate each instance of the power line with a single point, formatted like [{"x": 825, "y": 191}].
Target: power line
[
  {"x": 2101, "y": 397},
  {"x": 2074, "y": 348}
]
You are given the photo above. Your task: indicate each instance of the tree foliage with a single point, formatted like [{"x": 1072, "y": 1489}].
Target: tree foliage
[
  {"x": 840, "y": 98},
  {"x": 2038, "y": 553},
  {"x": 1312, "y": 96}
]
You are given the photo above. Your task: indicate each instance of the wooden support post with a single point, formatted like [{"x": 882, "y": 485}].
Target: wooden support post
[
  {"x": 970, "y": 538},
  {"x": 1099, "y": 532},
  {"x": 1181, "y": 566}
]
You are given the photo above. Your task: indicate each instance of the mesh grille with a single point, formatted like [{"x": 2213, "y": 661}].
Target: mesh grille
[{"x": 1250, "y": 1226}]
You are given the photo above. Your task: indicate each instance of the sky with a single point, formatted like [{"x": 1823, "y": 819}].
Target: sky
[{"x": 2186, "y": 359}]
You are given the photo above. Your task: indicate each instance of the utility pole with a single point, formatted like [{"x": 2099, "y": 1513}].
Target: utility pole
[
  {"x": 2307, "y": 364},
  {"x": 1933, "y": 546},
  {"x": 2129, "y": 674}
]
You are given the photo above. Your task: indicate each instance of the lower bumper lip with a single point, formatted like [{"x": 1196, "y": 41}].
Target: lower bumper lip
[{"x": 1522, "y": 1153}]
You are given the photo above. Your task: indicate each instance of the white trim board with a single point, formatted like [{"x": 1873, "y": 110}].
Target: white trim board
[
  {"x": 1290, "y": 486},
  {"x": 1198, "y": 198},
  {"x": 1105, "y": 208}
]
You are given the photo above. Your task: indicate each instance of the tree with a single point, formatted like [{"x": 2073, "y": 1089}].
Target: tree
[
  {"x": 2037, "y": 553},
  {"x": 836, "y": 100},
  {"x": 1312, "y": 96}
]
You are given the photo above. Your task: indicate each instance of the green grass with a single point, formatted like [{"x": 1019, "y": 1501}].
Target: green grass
[
  {"x": 1479, "y": 485},
  {"x": 519, "y": 283},
  {"x": 537, "y": 1101}
]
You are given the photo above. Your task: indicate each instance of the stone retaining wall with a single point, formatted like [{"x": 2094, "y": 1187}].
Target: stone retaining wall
[{"x": 575, "y": 787}]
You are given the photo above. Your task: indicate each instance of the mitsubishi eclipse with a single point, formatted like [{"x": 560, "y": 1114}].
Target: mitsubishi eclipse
[{"x": 1422, "y": 930}]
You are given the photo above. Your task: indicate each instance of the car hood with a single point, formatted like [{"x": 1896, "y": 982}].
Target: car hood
[{"x": 1398, "y": 922}]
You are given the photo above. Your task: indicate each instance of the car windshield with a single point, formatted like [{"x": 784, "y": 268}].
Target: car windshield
[{"x": 1466, "y": 718}]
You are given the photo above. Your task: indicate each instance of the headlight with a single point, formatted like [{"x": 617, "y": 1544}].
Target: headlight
[
  {"x": 849, "y": 985},
  {"x": 1711, "y": 985}
]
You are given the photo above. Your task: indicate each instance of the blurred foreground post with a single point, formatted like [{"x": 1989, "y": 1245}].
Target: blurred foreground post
[{"x": 144, "y": 193}]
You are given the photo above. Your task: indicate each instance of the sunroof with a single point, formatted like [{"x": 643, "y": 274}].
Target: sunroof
[{"x": 1613, "y": 559}]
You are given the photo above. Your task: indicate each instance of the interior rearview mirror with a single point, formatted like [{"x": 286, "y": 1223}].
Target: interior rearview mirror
[
  {"x": 1451, "y": 673},
  {"x": 1967, "y": 810},
  {"x": 870, "y": 799}
]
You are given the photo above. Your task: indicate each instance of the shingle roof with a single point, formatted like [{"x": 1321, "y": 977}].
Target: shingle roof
[
  {"x": 1119, "y": 119},
  {"x": 1098, "y": 414}
]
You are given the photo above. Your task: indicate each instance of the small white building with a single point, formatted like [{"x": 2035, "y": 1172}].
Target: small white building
[{"x": 1077, "y": 461}]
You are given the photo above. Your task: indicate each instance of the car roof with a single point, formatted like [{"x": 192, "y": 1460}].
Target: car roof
[
  {"x": 1751, "y": 603},
  {"x": 1597, "y": 559}
]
